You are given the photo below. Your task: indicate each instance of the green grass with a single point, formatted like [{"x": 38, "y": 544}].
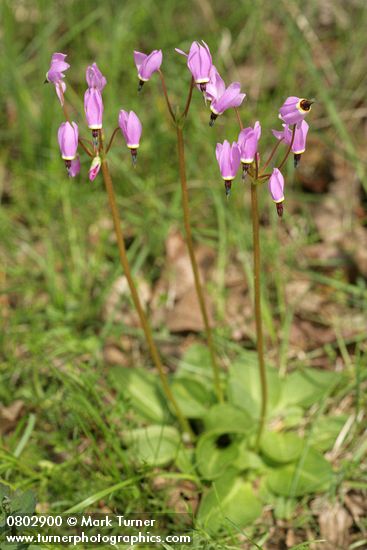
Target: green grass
[{"x": 58, "y": 259}]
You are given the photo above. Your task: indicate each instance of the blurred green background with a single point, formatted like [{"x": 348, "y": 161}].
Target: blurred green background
[{"x": 58, "y": 258}]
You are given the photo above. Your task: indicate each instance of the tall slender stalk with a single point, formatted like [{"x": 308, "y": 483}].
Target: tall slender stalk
[
  {"x": 135, "y": 296},
  {"x": 198, "y": 287},
  {"x": 258, "y": 317},
  {"x": 255, "y": 177},
  {"x": 179, "y": 122}
]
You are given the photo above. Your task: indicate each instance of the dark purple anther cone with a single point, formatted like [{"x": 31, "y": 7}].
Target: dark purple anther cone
[
  {"x": 297, "y": 160},
  {"x": 245, "y": 168},
  {"x": 140, "y": 86},
  {"x": 203, "y": 87},
  {"x": 213, "y": 117},
  {"x": 134, "y": 155},
  {"x": 68, "y": 164},
  {"x": 228, "y": 185},
  {"x": 95, "y": 137},
  {"x": 279, "y": 206}
]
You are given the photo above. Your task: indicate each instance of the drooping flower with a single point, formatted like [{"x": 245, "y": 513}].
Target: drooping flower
[
  {"x": 199, "y": 62},
  {"x": 95, "y": 78},
  {"x": 67, "y": 136},
  {"x": 55, "y": 74},
  {"x": 93, "y": 106},
  {"x": 228, "y": 157},
  {"x": 131, "y": 129},
  {"x": 216, "y": 86},
  {"x": 247, "y": 141},
  {"x": 74, "y": 167},
  {"x": 94, "y": 168},
  {"x": 231, "y": 97},
  {"x": 294, "y": 109},
  {"x": 276, "y": 189},
  {"x": 147, "y": 65},
  {"x": 299, "y": 141}
]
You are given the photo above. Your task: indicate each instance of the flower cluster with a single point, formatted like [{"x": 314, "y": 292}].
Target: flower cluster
[
  {"x": 68, "y": 133},
  {"x": 207, "y": 79},
  {"x": 206, "y": 76},
  {"x": 294, "y": 135},
  {"x": 220, "y": 98}
]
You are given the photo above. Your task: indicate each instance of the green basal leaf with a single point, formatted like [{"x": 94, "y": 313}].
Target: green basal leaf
[
  {"x": 281, "y": 447},
  {"x": 214, "y": 452},
  {"x": 185, "y": 460},
  {"x": 248, "y": 460},
  {"x": 292, "y": 415},
  {"x": 326, "y": 430},
  {"x": 308, "y": 386},
  {"x": 284, "y": 507},
  {"x": 23, "y": 503},
  {"x": 231, "y": 503},
  {"x": 312, "y": 473},
  {"x": 153, "y": 445},
  {"x": 225, "y": 418},
  {"x": 196, "y": 362},
  {"x": 244, "y": 388},
  {"x": 143, "y": 389},
  {"x": 193, "y": 398}
]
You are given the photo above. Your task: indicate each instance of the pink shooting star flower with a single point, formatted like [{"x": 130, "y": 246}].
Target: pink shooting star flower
[
  {"x": 215, "y": 87},
  {"x": 93, "y": 106},
  {"x": 68, "y": 136},
  {"x": 199, "y": 62},
  {"x": 276, "y": 189},
  {"x": 55, "y": 74},
  {"x": 231, "y": 97},
  {"x": 95, "y": 78},
  {"x": 131, "y": 129},
  {"x": 229, "y": 158},
  {"x": 94, "y": 168},
  {"x": 294, "y": 109},
  {"x": 147, "y": 65},
  {"x": 247, "y": 141},
  {"x": 299, "y": 142},
  {"x": 74, "y": 168}
]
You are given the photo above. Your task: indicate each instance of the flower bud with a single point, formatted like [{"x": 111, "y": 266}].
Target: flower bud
[
  {"x": 276, "y": 188},
  {"x": 67, "y": 136},
  {"x": 94, "y": 168},
  {"x": 93, "y": 106}
]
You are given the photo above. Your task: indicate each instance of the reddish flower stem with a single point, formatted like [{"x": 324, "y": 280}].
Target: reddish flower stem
[
  {"x": 271, "y": 155},
  {"x": 257, "y": 294},
  {"x": 134, "y": 293},
  {"x": 289, "y": 148},
  {"x": 189, "y": 97},
  {"x": 111, "y": 139},
  {"x": 86, "y": 149},
  {"x": 164, "y": 87},
  {"x": 238, "y": 118},
  {"x": 258, "y": 315},
  {"x": 195, "y": 269}
]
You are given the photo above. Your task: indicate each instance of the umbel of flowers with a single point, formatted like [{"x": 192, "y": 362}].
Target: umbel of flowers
[
  {"x": 219, "y": 99},
  {"x": 68, "y": 133}
]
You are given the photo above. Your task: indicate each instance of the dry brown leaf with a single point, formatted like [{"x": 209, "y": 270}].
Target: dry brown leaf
[
  {"x": 334, "y": 522},
  {"x": 186, "y": 316},
  {"x": 354, "y": 246},
  {"x": 175, "y": 301},
  {"x": 112, "y": 355},
  {"x": 118, "y": 308},
  {"x": 239, "y": 314},
  {"x": 9, "y": 415},
  {"x": 316, "y": 168}
]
